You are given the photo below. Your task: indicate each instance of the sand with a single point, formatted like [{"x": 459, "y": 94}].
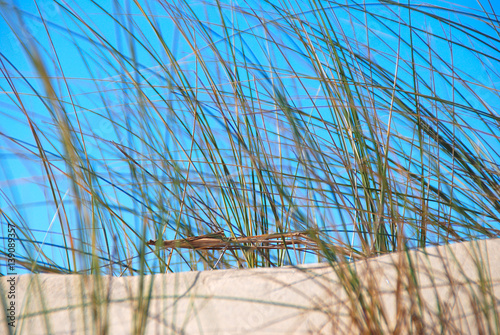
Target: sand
[{"x": 460, "y": 278}]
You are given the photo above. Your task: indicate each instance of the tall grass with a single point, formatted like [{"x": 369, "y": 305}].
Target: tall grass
[
  {"x": 252, "y": 134},
  {"x": 369, "y": 127}
]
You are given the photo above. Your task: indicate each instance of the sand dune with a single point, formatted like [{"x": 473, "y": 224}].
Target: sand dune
[{"x": 460, "y": 278}]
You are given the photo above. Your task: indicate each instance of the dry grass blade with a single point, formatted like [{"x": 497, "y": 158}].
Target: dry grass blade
[
  {"x": 297, "y": 241},
  {"x": 217, "y": 241}
]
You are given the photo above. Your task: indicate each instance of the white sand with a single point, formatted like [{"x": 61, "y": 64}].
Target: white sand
[{"x": 268, "y": 301}]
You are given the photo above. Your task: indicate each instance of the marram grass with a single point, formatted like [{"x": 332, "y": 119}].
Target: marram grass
[{"x": 366, "y": 128}]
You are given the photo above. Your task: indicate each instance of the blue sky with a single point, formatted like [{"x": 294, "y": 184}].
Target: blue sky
[{"x": 99, "y": 59}]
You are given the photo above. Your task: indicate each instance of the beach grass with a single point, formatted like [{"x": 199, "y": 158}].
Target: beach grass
[{"x": 282, "y": 133}]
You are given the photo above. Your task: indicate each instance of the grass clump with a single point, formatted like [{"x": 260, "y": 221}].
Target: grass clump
[{"x": 363, "y": 128}]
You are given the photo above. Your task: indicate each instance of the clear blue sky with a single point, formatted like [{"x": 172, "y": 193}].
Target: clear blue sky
[{"x": 90, "y": 69}]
